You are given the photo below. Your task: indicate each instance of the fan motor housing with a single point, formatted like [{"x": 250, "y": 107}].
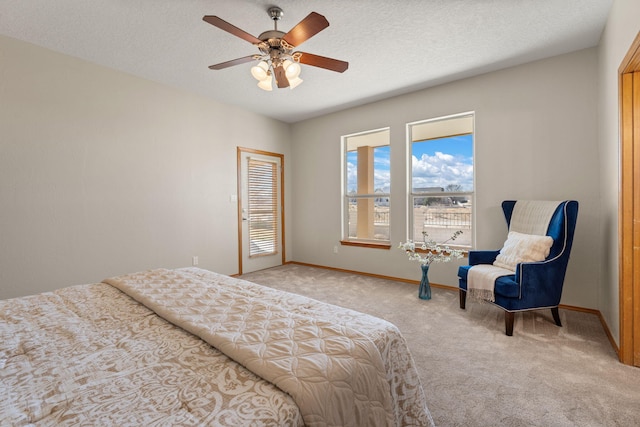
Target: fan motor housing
[{"x": 271, "y": 34}]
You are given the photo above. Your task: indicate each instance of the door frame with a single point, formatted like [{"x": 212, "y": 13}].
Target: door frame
[
  {"x": 239, "y": 152},
  {"x": 629, "y": 206}
]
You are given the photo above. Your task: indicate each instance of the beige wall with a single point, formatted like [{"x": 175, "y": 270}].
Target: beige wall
[
  {"x": 102, "y": 173},
  {"x": 622, "y": 28},
  {"x": 536, "y": 138}
]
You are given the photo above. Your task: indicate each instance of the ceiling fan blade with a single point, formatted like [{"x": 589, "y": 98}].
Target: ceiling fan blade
[
  {"x": 305, "y": 29},
  {"x": 323, "y": 62},
  {"x": 231, "y": 63},
  {"x": 281, "y": 77},
  {"x": 224, "y": 25}
]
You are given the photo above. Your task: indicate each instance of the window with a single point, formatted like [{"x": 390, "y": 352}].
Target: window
[
  {"x": 366, "y": 188},
  {"x": 441, "y": 179},
  {"x": 263, "y": 207}
]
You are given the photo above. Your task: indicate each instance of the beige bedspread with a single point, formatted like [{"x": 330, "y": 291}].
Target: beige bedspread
[
  {"x": 334, "y": 371},
  {"x": 91, "y": 356},
  {"x": 108, "y": 359}
]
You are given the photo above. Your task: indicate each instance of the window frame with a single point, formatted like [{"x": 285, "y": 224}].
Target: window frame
[
  {"x": 345, "y": 196},
  {"x": 411, "y": 195}
]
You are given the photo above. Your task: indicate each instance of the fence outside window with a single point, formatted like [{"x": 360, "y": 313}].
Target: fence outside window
[{"x": 440, "y": 216}]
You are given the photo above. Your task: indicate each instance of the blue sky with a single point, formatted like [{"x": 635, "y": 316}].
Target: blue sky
[
  {"x": 445, "y": 161},
  {"x": 435, "y": 163}
]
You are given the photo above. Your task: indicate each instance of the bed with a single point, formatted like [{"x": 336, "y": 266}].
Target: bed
[{"x": 192, "y": 347}]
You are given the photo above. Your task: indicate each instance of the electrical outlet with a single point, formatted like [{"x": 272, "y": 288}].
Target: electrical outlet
[
  {"x": 194, "y": 260},
  {"x": 335, "y": 249}
]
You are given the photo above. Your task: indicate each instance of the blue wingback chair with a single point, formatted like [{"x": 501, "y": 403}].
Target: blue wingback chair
[{"x": 534, "y": 285}]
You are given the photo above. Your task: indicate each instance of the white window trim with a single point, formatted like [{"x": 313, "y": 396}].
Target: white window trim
[
  {"x": 344, "y": 224},
  {"x": 409, "y": 170}
]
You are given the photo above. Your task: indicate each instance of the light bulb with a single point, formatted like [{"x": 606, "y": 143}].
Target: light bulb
[
  {"x": 291, "y": 69},
  {"x": 294, "y": 82},
  {"x": 259, "y": 71},
  {"x": 265, "y": 84}
]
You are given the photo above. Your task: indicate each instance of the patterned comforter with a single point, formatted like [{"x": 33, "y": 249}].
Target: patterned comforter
[{"x": 92, "y": 355}]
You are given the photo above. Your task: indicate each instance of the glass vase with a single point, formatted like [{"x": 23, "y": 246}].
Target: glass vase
[{"x": 424, "y": 292}]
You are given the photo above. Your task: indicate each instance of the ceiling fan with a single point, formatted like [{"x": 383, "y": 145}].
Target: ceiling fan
[{"x": 277, "y": 58}]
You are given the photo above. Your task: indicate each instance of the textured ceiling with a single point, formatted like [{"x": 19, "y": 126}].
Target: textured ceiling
[{"x": 392, "y": 47}]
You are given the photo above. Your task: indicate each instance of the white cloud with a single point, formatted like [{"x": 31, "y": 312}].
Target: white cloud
[
  {"x": 352, "y": 177},
  {"x": 441, "y": 170},
  {"x": 381, "y": 177},
  {"x": 382, "y": 180}
]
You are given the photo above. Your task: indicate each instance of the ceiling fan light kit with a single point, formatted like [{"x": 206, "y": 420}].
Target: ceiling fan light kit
[{"x": 277, "y": 61}]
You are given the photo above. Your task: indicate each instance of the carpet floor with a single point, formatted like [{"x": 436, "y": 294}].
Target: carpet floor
[{"x": 472, "y": 373}]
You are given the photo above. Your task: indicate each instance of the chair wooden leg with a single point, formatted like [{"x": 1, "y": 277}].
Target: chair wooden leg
[
  {"x": 463, "y": 299},
  {"x": 556, "y": 316},
  {"x": 508, "y": 322}
]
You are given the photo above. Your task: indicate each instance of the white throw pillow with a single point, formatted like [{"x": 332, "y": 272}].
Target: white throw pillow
[{"x": 521, "y": 247}]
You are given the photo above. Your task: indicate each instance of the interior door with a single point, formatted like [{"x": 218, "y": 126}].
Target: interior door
[
  {"x": 629, "y": 209},
  {"x": 260, "y": 210}
]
